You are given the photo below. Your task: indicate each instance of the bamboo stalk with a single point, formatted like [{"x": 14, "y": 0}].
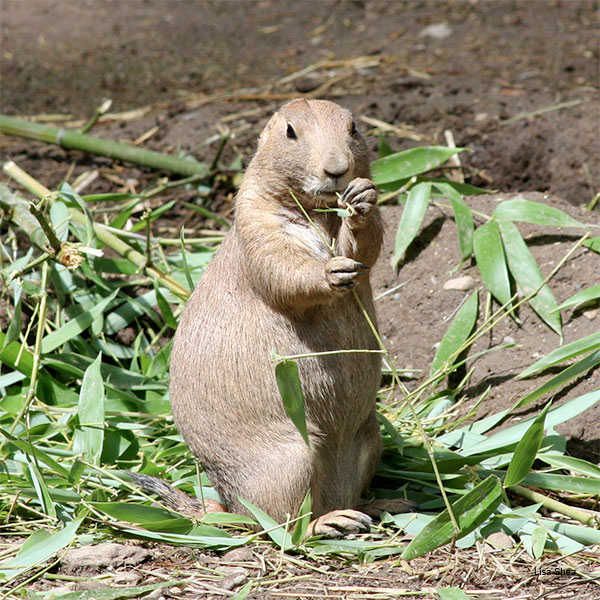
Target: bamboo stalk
[{"x": 76, "y": 140}]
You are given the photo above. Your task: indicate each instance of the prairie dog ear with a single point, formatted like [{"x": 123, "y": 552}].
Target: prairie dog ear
[{"x": 266, "y": 132}]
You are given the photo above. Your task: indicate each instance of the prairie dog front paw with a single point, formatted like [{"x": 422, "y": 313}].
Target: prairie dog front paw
[
  {"x": 361, "y": 197},
  {"x": 342, "y": 272}
]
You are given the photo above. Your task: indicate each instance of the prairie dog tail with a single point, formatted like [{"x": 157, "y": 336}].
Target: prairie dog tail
[{"x": 175, "y": 499}]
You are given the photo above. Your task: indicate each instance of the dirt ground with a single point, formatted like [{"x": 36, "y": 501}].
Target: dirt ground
[{"x": 470, "y": 67}]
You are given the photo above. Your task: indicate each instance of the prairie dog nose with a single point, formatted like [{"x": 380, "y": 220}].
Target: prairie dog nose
[{"x": 336, "y": 165}]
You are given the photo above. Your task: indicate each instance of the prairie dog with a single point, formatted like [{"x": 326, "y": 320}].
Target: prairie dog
[{"x": 278, "y": 284}]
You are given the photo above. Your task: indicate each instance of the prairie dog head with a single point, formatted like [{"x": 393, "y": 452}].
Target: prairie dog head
[{"x": 313, "y": 147}]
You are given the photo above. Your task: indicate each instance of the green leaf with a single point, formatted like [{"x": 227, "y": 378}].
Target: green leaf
[
  {"x": 412, "y": 217},
  {"x": 527, "y": 274},
  {"x": 527, "y": 211},
  {"x": 410, "y": 162},
  {"x": 115, "y": 593},
  {"x": 587, "y": 295},
  {"x": 491, "y": 262},
  {"x": 463, "y": 218},
  {"x": 290, "y": 389},
  {"x": 577, "y": 465},
  {"x": 90, "y": 437},
  {"x": 71, "y": 197},
  {"x": 556, "y": 416},
  {"x": 14, "y": 327},
  {"x": 470, "y": 511},
  {"x": 16, "y": 356},
  {"x": 563, "y": 483},
  {"x": 151, "y": 517},
  {"x": 538, "y": 541},
  {"x": 305, "y": 514},
  {"x": 588, "y": 343},
  {"x": 278, "y": 533},
  {"x": 593, "y": 244},
  {"x": 242, "y": 593},
  {"x": 452, "y": 593},
  {"x": 41, "y": 490},
  {"x": 526, "y": 450},
  {"x": 165, "y": 309},
  {"x": 37, "y": 548},
  {"x": 456, "y": 335},
  {"x": 581, "y": 366},
  {"x": 75, "y": 326}
]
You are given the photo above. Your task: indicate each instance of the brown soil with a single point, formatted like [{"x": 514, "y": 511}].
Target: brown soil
[{"x": 499, "y": 60}]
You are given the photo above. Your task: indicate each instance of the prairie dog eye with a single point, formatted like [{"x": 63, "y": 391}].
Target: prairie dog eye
[
  {"x": 353, "y": 129},
  {"x": 290, "y": 133}
]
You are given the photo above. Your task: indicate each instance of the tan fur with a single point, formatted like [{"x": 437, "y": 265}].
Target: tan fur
[{"x": 275, "y": 285}]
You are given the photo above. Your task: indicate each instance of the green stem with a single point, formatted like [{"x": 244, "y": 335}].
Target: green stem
[
  {"x": 76, "y": 140},
  {"x": 555, "y": 505}
]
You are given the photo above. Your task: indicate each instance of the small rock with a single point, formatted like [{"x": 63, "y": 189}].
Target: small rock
[
  {"x": 482, "y": 116},
  {"x": 437, "y": 31},
  {"x": 590, "y": 315},
  {"x": 236, "y": 577},
  {"x": 500, "y": 540},
  {"x": 101, "y": 556},
  {"x": 508, "y": 339},
  {"x": 462, "y": 284},
  {"x": 308, "y": 83},
  {"x": 243, "y": 554}
]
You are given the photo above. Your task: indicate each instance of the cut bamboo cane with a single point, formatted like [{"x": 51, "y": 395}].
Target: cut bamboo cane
[{"x": 74, "y": 140}]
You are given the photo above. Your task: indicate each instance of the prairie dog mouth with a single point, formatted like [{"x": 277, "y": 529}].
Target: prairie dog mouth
[{"x": 328, "y": 198}]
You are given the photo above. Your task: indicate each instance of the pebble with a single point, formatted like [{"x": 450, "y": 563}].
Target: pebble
[
  {"x": 236, "y": 577},
  {"x": 590, "y": 315},
  {"x": 499, "y": 539},
  {"x": 437, "y": 31},
  {"x": 462, "y": 284},
  {"x": 100, "y": 556}
]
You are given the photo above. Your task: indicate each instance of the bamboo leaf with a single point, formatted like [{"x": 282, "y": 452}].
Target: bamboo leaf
[
  {"x": 290, "y": 389},
  {"x": 588, "y": 343},
  {"x": 116, "y": 593},
  {"x": 563, "y": 483},
  {"x": 305, "y": 514},
  {"x": 411, "y": 162},
  {"x": 471, "y": 510},
  {"x": 16, "y": 356},
  {"x": 75, "y": 326},
  {"x": 152, "y": 518},
  {"x": 593, "y": 244},
  {"x": 463, "y": 218},
  {"x": 556, "y": 416},
  {"x": 527, "y": 211},
  {"x": 538, "y": 541},
  {"x": 456, "y": 335},
  {"x": 526, "y": 451},
  {"x": 41, "y": 490},
  {"x": 491, "y": 261},
  {"x": 527, "y": 274},
  {"x": 37, "y": 548},
  {"x": 577, "y": 465},
  {"x": 452, "y": 593},
  {"x": 14, "y": 327},
  {"x": 278, "y": 533},
  {"x": 165, "y": 309},
  {"x": 410, "y": 222},
  {"x": 89, "y": 438},
  {"x": 560, "y": 379},
  {"x": 587, "y": 295}
]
